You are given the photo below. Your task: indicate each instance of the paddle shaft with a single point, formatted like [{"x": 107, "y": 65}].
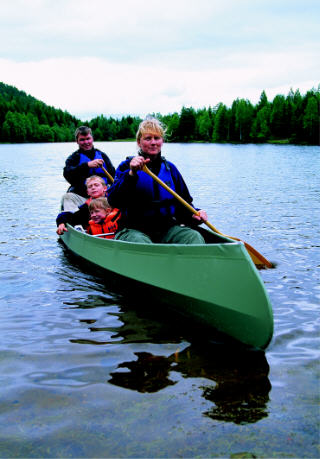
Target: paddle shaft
[
  {"x": 257, "y": 258},
  {"x": 107, "y": 174}
]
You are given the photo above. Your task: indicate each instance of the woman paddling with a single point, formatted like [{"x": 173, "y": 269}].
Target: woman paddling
[{"x": 152, "y": 214}]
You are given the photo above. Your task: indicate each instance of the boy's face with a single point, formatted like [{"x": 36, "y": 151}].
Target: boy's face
[
  {"x": 98, "y": 214},
  {"x": 96, "y": 189}
]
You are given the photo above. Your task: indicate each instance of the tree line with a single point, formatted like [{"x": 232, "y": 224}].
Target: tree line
[{"x": 288, "y": 119}]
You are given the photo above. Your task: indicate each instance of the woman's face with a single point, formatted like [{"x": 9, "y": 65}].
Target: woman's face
[{"x": 151, "y": 143}]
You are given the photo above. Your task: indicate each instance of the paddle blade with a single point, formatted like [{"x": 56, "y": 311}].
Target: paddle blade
[{"x": 259, "y": 260}]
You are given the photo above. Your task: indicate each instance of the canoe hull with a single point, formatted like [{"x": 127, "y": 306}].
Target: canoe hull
[{"x": 216, "y": 284}]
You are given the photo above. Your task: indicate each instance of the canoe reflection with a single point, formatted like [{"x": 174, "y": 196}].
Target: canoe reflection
[{"x": 240, "y": 392}]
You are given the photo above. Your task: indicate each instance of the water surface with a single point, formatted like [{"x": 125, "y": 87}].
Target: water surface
[{"x": 86, "y": 373}]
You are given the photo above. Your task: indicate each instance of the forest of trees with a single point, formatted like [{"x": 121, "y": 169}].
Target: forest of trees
[
  {"x": 25, "y": 119},
  {"x": 294, "y": 118}
]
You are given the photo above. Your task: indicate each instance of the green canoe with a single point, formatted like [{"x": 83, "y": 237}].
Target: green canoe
[{"x": 216, "y": 284}]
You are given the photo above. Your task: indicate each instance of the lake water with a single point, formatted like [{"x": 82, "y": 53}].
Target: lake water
[{"x": 84, "y": 373}]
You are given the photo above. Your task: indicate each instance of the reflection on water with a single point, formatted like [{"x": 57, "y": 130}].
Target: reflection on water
[
  {"x": 149, "y": 373},
  {"x": 242, "y": 389},
  {"x": 237, "y": 379},
  {"x": 241, "y": 385}
]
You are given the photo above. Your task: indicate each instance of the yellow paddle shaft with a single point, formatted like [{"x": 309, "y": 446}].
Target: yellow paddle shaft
[{"x": 107, "y": 174}]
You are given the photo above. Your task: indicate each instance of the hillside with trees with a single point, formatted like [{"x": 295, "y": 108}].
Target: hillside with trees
[
  {"x": 286, "y": 119},
  {"x": 26, "y": 119}
]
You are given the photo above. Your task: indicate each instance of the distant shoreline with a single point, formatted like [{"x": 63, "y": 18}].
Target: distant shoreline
[{"x": 272, "y": 142}]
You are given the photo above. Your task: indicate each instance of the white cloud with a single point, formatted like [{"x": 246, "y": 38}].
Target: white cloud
[
  {"x": 136, "y": 57},
  {"x": 33, "y": 28},
  {"x": 139, "y": 30},
  {"x": 95, "y": 86}
]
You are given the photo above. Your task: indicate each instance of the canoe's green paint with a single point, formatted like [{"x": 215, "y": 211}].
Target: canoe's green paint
[{"x": 216, "y": 283}]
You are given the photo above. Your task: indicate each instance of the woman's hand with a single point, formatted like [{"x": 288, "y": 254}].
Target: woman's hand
[
  {"x": 137, "y": 163},
  {"x": 61, "y": 228},
  {"x": 202, "y": 216}
]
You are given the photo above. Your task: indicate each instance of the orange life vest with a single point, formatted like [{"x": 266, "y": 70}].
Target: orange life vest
[{"x": 108, "y": 225}]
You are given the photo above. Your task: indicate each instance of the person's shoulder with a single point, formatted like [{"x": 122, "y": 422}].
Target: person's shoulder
[
  {"x": 100, "y": 151},
  {"x": 125, "y": 163},
  {"x": 170, "y": 164},
  {"x": 74, "y": 154}
]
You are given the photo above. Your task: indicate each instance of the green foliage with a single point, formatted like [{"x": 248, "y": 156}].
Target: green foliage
[
  {"x": 221, "y": 125},
  {"x": 187, "y": 125},
  {"x": 311, "y": 119},
  {"x": 244, "y": 120},
  {"x": 260, "y": 130},
  {"x": 204, "y": 124},
  {"x": 107, "y": 129},
  {"x": 290, "y": 119},
  {"x": 26, "y": 119},
  {"x": 279, "y": 118},
  {"x": 172, "y": 123}
]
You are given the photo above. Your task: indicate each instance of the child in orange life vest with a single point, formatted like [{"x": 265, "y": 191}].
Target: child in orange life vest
[
  {"x": 96, "y": 188},
  {"x": 104, "y": 219}
]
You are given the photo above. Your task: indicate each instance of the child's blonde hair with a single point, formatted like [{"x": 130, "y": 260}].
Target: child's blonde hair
[
  {"x": 95, "y": 177},
  {"x": 99, "y": 203},
  {"x": 151, "y": 125}
]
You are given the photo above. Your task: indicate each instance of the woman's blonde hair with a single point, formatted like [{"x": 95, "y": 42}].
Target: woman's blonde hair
[
  {"x": 151, "y": 125},
  {"x": 99, "y": 203}
]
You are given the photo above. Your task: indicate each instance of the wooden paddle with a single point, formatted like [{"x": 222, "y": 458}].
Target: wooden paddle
[
  {"x": 259, "y": 260},
  {"x": 107, "y": 174}
]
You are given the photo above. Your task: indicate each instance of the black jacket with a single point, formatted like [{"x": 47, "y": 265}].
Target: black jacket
[
  {"x": 76, "y": 173},
  {"x": 80, "y": 217}
]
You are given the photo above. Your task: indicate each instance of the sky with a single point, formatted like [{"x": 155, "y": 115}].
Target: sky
[{"x": 135, "y": 57}]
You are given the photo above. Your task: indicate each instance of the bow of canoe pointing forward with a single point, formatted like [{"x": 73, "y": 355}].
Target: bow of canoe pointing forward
[{"x": 216, "y": 284}]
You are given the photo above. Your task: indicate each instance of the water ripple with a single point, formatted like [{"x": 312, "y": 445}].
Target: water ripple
[{"x": 86, "y": 373}]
